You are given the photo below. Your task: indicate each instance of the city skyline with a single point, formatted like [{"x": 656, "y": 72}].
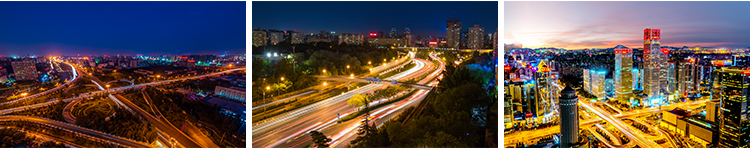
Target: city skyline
[
  {"x": 579, "y": 25},
  {"x": 368, "y": 17},
  {"x": 111, "y": 28}
]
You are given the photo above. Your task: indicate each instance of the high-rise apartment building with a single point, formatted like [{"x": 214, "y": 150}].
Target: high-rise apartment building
[
  {"x": 476, "y": 38},
  {"x": 623, "y": 75},
  {"x": 275, "y": 37},
  {"x": 25, "y": 70},
  {"x": 259, "y": 37},
  {"x": 453, "y": 33},
  {"x": 568, "y": 117}
]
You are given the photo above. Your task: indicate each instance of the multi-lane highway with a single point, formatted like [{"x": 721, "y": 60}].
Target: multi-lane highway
[
  {"x": 295, "y": 132},
  {"x": 77, "y": 129},
  {"x": 182, "y": 139},
  {"x": 523, "y": 136},
  {"x": 291, "y": 129}
]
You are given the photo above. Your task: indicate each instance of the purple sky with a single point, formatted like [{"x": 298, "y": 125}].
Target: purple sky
[{"x": 576, "y": 25}]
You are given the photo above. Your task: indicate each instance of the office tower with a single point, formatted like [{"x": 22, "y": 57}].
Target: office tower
[
  {"x": 453, "y": 33},
  {"x": 734, "y": 125},
  {"x": 407, "y": 31},
  {"x": 542, "y": 87},
  {"x": 568, "y": 117},
  {"x": 598, "y": 83},
  {"x": 672, "y": 78},
  {"x": 685, "y": 73},
  {"x": 623, "y": 75},
  {"x": 259, "y": 37},
  {"x": 586, "y": 80},
  {"x": 133, "y": 64},
  {"x": 652, "y": 62},
  {"x": 25, "y": 70},
  {"x": 476, "y": 38}
]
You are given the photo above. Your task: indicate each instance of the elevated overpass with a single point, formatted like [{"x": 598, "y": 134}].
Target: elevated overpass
[{"x": 385, "y": 82}]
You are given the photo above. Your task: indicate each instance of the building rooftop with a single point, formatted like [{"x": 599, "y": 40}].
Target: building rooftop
[{"x": 235, "y": 107}]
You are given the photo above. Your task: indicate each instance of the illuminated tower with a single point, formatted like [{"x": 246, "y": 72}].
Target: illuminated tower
[
  {"x": 652, "y": 64},
  {"x": 453, "y": 32},
  {"x": 623, "y": 76},
  {"x": 568, "y": 117}
]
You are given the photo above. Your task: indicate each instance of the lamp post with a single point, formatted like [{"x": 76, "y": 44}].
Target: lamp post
[{"x": 264, "y": 99}]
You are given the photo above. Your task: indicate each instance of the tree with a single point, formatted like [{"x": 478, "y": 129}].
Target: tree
[
  {"x": 319, "y": 139},
  {"x": 358, "y": 100}
]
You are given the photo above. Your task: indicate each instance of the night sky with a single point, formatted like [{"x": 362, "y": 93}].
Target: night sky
[
  {"x": 128, "y": 28},
  {"x": 422, "y": 17},
  {"x": 576, "y": 25}
]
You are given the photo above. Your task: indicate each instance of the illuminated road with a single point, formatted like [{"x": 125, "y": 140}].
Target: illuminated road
[
  {"x": 283, "y": 129},
  {"x": 285, "y": 99},
  {"x": 114, "y": 90},
  {"x": 511, "y": 139},
  {"x": 622, "y": 127},
  {"x": 199, "y": 138},
  {"x": 343, "y": 133},
  {"x": 75, "y": 78},
  {"x": 77, "y": 129},
  {"x": 168, "y": 128}
]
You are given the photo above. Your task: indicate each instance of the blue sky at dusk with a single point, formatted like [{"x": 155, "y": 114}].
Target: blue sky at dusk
[
  {"x": 584, "y": 24},
  {"x": 128, "y": 28},
  {"x": 421, "y": 17}
]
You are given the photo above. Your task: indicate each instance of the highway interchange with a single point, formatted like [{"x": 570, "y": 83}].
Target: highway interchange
[{"x": 164, "y": 126}]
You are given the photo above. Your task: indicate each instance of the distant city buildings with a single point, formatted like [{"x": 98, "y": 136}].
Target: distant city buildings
[
  {"x": 397, "y": 42},
  {"x": 351, "y": 39},
  {"x": 25, "y": 70}
]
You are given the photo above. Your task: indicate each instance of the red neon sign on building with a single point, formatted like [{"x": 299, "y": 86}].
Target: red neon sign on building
[
  {"x": 665, "y": 50},
  {"x": 623, "y": 51},
  {"x": 373, "y": 35},
  {"x": 433, "y": 42}
]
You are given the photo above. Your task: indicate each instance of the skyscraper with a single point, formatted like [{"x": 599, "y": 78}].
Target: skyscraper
[
  {"x": 734, "y": 125},
  {"x": 623, "y": 76},
  {"x": 568, "y": 117},
  {"x": 652, "y": 64},
  {"x": 597, "y": 83},
  {"x": 453, "y": 33},
  {"x": 25, "y": 70},
  {"x": 476, "y": 38}
]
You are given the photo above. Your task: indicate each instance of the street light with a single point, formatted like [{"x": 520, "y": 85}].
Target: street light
[
  {"x": 282, "y": 78},
  {"x": 347, "y": 66},
  {"x": 24, "y": 94},
  {"x": 369, "y": 62}
]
